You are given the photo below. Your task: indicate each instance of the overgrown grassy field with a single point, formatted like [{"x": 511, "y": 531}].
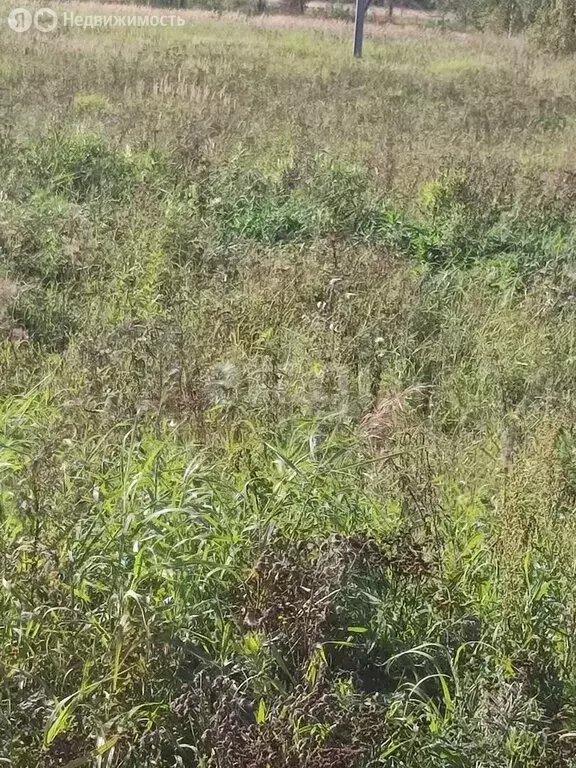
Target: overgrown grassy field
[{"x": 288, "y": 459}]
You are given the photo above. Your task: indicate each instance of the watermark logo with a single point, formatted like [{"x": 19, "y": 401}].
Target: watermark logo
[
  {"x": 20, "y": 19},
  {"x": 47, "y": 20}
]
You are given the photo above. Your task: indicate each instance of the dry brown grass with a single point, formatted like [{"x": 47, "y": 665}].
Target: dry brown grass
[
  {"x": 9, "y": 290},
  {"x": 393, "y": 412}
]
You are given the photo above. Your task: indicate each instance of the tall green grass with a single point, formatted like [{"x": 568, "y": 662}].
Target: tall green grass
[{"x": 287, "y": 453}]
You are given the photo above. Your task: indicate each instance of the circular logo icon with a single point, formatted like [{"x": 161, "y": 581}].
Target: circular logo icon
[
  {"x": 20, "y": 19},
  {"x": 45, "y": 20}
]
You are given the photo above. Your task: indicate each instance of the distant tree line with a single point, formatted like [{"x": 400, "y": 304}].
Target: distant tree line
[{"x": 551, "y": 22}]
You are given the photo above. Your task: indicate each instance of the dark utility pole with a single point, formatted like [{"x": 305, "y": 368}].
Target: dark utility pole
[{"x": 361, "y": 8}]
